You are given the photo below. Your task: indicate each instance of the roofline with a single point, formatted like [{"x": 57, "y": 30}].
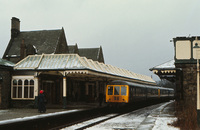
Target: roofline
[
  {"x": 41, "y": 30},
  {"x": 162, "y": 64},
  {"x": 7, "y": 67},
  {"x": 136, "y": 80}
]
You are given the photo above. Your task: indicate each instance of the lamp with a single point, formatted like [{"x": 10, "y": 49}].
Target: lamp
[{"x": 197, "y": 48}]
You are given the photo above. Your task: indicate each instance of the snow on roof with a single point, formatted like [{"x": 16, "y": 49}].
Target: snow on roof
[
  {"x": 75, "y": 62},
  {"x": 166, "y": 65}
]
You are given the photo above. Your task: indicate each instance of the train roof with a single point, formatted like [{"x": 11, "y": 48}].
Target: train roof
[{"x": 120, "y": 82}]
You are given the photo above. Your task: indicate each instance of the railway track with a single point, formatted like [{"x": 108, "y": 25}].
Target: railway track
[
  {"x": 60, "y": 121},
  {"x": 102, "y": 116}
]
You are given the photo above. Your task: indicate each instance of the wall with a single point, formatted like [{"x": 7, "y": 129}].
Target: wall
[
  {"x": 186, "y": 82},
  {"x": 5, "y": 88}
]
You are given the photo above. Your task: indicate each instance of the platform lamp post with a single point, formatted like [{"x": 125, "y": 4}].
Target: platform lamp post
[{"x": 197, "y": 48}]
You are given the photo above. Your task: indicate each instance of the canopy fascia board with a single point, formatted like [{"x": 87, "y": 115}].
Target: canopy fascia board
[{"x": 107, "y": 75}]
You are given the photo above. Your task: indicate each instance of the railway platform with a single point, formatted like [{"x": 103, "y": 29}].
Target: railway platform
[
  {"x": 156, "y": 119},
  {"x": 160, "y": 118},
  {"x": 14, "y": 113}
]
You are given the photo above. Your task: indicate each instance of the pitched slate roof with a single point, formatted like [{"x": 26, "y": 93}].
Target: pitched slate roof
[
  {"x": 73, "y": 63},
  {"x": 45, "y": 41},
  {"x": 90, "y": 53},
  {"x": 73, "y": 49}
]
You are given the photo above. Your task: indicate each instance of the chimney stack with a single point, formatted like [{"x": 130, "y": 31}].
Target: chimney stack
[
  {"x": 15, "y": 27},
  {"x": 22, "y": 50}
]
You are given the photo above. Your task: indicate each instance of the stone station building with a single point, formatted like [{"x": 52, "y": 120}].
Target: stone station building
[
  {"x": 183, "y": 69},
  {"x": 65, "y": 78},
  {"x": 67, "y": 74},
  {"x": 6, "y": 69}
]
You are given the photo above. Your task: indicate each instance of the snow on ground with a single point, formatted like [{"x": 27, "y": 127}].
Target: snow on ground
[
  {"x": 33, "y": 117},
  {"x": 162, "y": 123},
  {"x": 153, "y": 117},
  {"x": 87, "y": 122},
  {"x": 127, "y": 121}
]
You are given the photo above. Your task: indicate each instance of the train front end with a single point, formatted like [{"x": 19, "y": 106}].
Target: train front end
[{"x": 116, "y": 94}]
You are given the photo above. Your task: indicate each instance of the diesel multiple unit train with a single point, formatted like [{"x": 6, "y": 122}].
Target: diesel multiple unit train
[{"x": 119, "y": 92}]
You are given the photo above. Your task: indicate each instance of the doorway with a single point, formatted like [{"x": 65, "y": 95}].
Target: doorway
[{"x": 51, "y": 91}]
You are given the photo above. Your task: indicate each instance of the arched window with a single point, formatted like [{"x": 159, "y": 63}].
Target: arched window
[
  {"x": 31, "y": 89},
  {"x": 26, "y": 87},
  {"x": 19, "y": 89},
  {"x": 14, "y": 94},
  {"x": 23, "y": 88}
]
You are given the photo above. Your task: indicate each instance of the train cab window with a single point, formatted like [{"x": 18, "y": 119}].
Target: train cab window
[
  {"x": 110, "y": 90},
  {"x": 116, "y": 92},
  {"x": 123, "y": 90}
]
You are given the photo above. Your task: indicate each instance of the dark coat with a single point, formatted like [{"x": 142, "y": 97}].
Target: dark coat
[{"x": 41, "y": 103}]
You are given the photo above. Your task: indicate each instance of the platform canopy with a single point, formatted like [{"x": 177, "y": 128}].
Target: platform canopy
[
  {"x": 71, "y": 64},
  {"x": 6, "y": 63},
  {"x": 165, "y": 70}
]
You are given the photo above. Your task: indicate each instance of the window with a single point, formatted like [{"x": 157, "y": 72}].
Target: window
[
  {"x": 138, "y": 92},
  {"x": 123, "y": 90},
  {"x": 116, "y": 92},
  {"x": 23, "y": 88},
  {"x": 110, "y": 90},
  {"x": 26, "y": 88},
  {"x": 14, "y": 88},
  {"x": 31, "y": 89}
]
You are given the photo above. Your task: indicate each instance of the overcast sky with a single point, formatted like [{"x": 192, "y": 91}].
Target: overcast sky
[{"x": 134, "y": 34}]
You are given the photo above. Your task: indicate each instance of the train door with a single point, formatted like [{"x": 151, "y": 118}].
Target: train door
[{"x": 158, "y": 93}]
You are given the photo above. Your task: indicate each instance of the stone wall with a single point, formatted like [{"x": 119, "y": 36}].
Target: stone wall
[
  {"x": 186, "y": 82},
  {"x": 5, "y": 88}
]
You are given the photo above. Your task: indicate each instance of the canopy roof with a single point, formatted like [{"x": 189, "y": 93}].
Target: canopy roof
[
  {"x": 73, "y": 63},
  {"x": 167, "y": 67},
  {"x": 166, "y": 70},
  {"x": 6, "y": 63}
]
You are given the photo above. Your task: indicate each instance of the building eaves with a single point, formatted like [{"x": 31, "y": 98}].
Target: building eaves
[
  {"x": 6, "y": 63},
  {"x": 164, "y": 66}
]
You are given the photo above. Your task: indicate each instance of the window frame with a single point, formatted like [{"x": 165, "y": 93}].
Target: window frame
[{"x": 30, "y": 87}]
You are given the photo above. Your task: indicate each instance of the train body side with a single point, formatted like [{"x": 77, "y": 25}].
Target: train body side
[{"x": 125, "y": 92}]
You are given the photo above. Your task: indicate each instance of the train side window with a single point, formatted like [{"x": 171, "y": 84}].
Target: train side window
[
  {"x": 116, "y": 92},
  {"x": 110, "y": 90},
  {"x": 134, "y": 91},
  {"x": 123, "y": 90}
]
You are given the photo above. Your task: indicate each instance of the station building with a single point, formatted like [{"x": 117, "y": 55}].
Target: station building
[
  {"x": 67, "y": 74},
  {"x": 6, "y": 69},
  {"x": 183, "y": 69},
  {"x": 65, "y": 78},
  {"x": 24, "y": 43}
]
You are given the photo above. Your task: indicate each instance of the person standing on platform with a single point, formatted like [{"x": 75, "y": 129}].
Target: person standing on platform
[{"x": 41, "y": 102}]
